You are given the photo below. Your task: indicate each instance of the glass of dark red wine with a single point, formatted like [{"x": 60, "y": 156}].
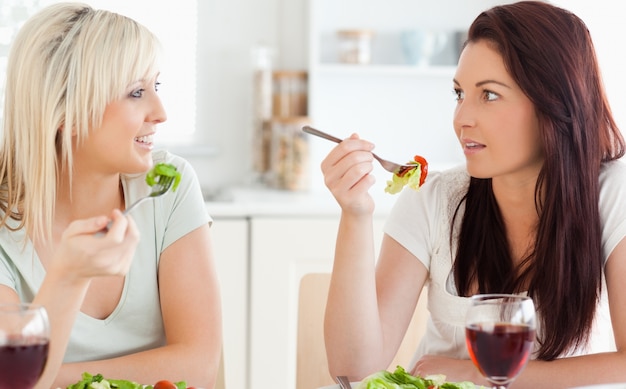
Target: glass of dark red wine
[
  {"x": 500, "y": 334},
  {"x": 24, "y": 340}
]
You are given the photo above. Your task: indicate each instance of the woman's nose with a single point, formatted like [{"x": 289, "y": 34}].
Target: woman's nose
[
  {"x": 158, "y": 114},
  {"x": 464, "y": 115}
]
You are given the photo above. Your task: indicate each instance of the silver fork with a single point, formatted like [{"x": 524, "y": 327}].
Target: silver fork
[
  {"x": 392, "y": 167},
  {"x": 159, "y": 188},
  {"x": 344, "y": 382}
]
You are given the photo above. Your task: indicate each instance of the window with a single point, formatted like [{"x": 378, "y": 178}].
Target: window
[{"x": 177, "y": 30}]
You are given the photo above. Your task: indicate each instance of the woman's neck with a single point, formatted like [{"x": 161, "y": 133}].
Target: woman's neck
[{"x": 89, "y": 195}]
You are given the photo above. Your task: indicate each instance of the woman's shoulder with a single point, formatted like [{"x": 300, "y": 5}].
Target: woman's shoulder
[
  {"x": 162, "y": 156},
  {"x": 443, "y": 189},
  {"x": 450, "y": 181},
  {"x": 456, "y": 175},
  {"x": 613, "y": 174},
  {"x": 616, "y": 167}
]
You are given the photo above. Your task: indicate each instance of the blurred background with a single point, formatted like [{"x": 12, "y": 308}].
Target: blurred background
[{"x": 227, "y": 61}]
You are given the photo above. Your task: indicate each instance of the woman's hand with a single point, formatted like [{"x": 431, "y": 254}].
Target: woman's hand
[
  {"x": 82, "y": 253},
  {"x": 347, "y": 175},
  {"x": 455, "y": 370}
]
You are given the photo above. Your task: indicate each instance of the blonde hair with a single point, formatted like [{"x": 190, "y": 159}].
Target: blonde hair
[{"x": 66, "y": 64}]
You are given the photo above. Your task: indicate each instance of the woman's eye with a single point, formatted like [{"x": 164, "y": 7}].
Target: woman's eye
[
  {"x": 156, "y": 86},
  {"x": 459, "y": 94},
  {"x": 137, "y": 93},
  {"x": 490, "y": 96}
]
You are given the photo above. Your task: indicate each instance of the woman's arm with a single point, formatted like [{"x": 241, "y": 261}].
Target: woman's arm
[
  {"x": 80, "y": 256},
  {"x": 190, "y": 302},
  {"x": 368, "y": 313},
  {"x": 364, "y": 325}
]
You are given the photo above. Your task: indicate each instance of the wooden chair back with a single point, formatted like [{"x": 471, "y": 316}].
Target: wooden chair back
[
  {"x": 312, "y": 364},
  {"x": 220, "y": 382}
]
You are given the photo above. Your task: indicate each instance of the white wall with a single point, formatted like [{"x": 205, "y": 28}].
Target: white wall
[{"x": 605, "y": 21}]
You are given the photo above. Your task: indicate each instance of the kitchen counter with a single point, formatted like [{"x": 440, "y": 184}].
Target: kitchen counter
[{"x": 254, "y": 202}]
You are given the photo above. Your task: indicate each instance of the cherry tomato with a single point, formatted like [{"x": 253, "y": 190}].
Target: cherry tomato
[
  {"x": 423, "y": 167},
  {"x": 164, "y": 384}
]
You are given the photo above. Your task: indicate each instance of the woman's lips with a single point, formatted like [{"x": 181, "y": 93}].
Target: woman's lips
[
  {"x": 471, "y": 147},
  {"x": 145, "y": 141}
]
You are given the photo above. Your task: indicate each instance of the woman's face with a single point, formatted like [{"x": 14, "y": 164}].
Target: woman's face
[
  {"x": 494, "y": 120},
  {"x": 124, "y": 141}
]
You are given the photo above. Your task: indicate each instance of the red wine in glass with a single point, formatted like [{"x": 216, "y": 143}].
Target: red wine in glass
[
  {"x": 21, "y": 365},
  {"x": 500, "y": 351},
  {"x": 24, "y": 343},
  {"x": 500, "y": 335}
]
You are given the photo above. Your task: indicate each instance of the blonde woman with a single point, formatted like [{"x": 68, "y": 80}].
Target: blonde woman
[{"x": 142, "y": 301}]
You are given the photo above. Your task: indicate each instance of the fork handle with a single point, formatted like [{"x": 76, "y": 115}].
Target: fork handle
[
  {"x": 321, "y": 134},
  {"x": 344, "y": 382},
  {"x": 126, "y": 211},
  {"x": 133, "y": 205}
]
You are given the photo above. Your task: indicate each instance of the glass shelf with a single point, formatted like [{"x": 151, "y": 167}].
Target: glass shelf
[{"x": 384, "y": 70}]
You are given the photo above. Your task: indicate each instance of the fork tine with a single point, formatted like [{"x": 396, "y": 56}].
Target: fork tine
[
  {"x": 162, "y": 185},
  {"x": 165, "y": 185}
]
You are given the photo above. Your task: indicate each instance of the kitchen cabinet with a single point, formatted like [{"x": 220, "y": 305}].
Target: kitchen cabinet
[
  {"x": 230, "y": 247},
  {"x": 283, "y": 250},
  {"x": 260, "y": 261}
]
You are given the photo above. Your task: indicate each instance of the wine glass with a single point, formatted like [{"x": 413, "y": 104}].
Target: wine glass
[
  {"x": 24, "y": 340},
  {"x": 500, "y": 333}
]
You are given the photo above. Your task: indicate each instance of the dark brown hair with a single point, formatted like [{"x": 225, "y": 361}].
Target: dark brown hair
[{"x": 549, "y": 53}]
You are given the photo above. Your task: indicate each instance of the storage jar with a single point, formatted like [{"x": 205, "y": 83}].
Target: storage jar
[
  {"x": 290, "y": 153},
  {"x": 290, "y": 93},
  {"x": 355, "y": 46}
]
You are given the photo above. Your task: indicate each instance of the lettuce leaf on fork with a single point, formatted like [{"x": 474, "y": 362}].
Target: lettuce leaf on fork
[
  {"x": 163, "y": 169},
  {"x": 411, "y": 179},
  {"x": 413, "y": 175}
]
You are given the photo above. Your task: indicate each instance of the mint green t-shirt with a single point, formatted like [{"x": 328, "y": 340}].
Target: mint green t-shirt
[{"x": 136, "y": 323}]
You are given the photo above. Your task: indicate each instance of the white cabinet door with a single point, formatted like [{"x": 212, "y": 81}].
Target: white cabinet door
[
  {"x": 283, "y": 250},
  {"x": 231, "y": 242}
]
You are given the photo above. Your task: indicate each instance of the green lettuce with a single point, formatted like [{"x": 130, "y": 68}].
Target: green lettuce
[
  {"x": 410, "y": 178},
  {"x": 97, "y": 381},
  {"x": 163, "y": 169},
  {"x": 400, "y": 379}
]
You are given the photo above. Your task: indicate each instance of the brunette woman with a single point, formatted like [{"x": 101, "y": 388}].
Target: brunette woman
[{"x": 539, "y": 208}]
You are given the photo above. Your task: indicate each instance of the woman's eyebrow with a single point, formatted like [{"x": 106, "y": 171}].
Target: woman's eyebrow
[{"x": 485, "y": 82}]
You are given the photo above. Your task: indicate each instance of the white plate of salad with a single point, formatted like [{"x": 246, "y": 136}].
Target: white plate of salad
[{"x": 97, "y": 381}]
